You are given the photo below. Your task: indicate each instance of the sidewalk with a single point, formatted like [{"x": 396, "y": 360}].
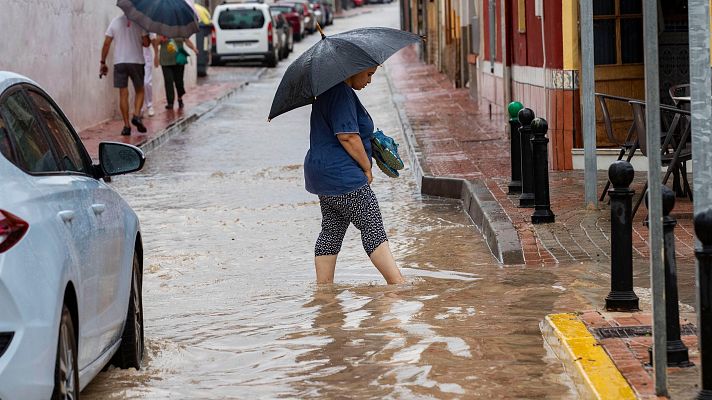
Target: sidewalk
[
  {"x": 459, "y": 152},
  {"x": 199, "y": 100}
]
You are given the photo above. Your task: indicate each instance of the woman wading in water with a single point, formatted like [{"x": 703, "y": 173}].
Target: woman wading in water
[{"x": 337, "y": 168}]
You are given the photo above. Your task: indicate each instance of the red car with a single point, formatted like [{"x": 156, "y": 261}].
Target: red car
[
  {"x": 294, "y": 17},
  {"x": 358, "y": 3},
  {"x": 303, "y": 9}
]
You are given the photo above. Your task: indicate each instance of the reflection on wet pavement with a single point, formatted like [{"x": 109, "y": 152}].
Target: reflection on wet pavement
[{"x": 230, "y": 303}]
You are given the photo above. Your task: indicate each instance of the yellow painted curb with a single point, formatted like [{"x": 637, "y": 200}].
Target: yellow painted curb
[{"x": 596, "y": 370}]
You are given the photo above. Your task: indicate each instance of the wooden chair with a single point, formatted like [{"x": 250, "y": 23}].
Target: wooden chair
[
  {"x": 675, "y": 150},
  {"x": 629, "y": 145},
  {"x": 677, "y": 91}
]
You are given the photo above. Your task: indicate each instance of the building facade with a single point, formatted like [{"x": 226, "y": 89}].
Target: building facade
[{"x": 529, "y": 51}]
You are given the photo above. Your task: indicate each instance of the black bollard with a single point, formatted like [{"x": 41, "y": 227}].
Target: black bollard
[
  {"x": 515, "y": 152},
  {"x": 677, "y": 355},
  {"x": 540, "y": 158},
  {"x": 621, "y": 297},
  {"x": 703, "y": 230},
  {"x": 526, "y": 199}
]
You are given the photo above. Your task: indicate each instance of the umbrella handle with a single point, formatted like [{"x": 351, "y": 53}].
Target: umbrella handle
[{"x": 318, "y": 27}]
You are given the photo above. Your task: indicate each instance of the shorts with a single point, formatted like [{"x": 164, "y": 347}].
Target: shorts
[
  {"x": 124, "y": 71},
  {"x": 360, "y": 208}
]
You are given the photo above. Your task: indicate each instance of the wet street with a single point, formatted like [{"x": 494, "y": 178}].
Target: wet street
[{"x": 231, "y": 307}]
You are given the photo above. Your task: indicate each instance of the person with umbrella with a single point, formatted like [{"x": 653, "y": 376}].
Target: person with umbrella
[
  {"x": 337, "y": 167},
  {"x": 129, "y": 41},
  {"x": 173, "y": 67}
]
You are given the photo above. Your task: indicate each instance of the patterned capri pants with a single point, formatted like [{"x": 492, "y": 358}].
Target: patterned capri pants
[{"x": 360, "y": 208}]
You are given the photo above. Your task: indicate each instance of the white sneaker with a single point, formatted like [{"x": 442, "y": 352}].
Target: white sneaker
[{"x": 151, "y": 113}]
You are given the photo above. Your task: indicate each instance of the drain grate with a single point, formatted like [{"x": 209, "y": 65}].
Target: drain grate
[{"x": 635, "y": 331}]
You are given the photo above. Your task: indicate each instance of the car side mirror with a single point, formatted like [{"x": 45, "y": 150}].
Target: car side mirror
[{"x": 119, "y": 158}]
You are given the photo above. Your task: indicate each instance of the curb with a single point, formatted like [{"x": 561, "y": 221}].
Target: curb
[
  {"x": 585, "y": 361},
  {"x": 182, "y": 123},
  {"x": 199, "y": 111},
  {"x": 478, "y": 202}
]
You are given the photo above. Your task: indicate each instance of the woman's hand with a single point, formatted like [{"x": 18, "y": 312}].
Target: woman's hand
[{"x": 354, "y": 146}]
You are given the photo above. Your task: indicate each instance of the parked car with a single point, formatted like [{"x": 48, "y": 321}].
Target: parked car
[
  {"x": 203, "y": 39},
  {"x": 295, "y": 18},
  {"x": 329, "y": 11},
  {"x": 358, "y": 3},
  {"x": 319, "y": 16},
  {"x": 71, "y": 256},
  {"x": 284, "y": 32},
  {"x": 305, "y": 10},
  {"x": 244, "y": 31},
  {"x": 321, "y": 11}
]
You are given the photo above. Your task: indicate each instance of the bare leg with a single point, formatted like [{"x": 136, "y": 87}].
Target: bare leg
[
  {"x": 325, "y": 266},
  {"x": 386, "y": 264},
  {"x": 138, "y": 102},
  {"x": 124, "y": 104}
]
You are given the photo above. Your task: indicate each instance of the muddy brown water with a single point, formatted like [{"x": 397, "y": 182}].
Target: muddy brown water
[{"x": 231, "y": 308}]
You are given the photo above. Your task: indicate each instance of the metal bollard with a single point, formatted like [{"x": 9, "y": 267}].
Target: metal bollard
[
  {"x": 703, "y": 230},
  {"x": 515, "y": 152},
  {"x": 677, "y": 355},
  {"x": 526, "y": 199},
  {"x": 540, "y": 158},
  {"x": 621, "y": 297}
]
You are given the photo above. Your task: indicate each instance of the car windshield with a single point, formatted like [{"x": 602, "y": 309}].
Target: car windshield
[{"x": 241, "y": 19}]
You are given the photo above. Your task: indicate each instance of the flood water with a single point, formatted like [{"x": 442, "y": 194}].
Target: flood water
[{"x": 231, "y": 307}]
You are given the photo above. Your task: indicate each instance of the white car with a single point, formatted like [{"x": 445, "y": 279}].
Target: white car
[
  {"x": 245, "y": 31},
  {"x": 70, "y": 252}
]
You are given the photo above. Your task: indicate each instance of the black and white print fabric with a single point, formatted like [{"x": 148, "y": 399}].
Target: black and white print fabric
[{"x": 360, "y": 208}]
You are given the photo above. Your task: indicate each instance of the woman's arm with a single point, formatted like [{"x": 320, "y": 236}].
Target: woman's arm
[
  {"x": 354, "y": 146},
  {"x": 191, "y": 46}
]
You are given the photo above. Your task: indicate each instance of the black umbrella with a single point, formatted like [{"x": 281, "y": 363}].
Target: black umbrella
[
  {"x": 332, "y": 60},
  {"x": 170, "y": 18}
]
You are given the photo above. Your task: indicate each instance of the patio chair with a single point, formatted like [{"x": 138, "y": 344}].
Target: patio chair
[
  {"x": 675, "y": 150},
  {"x": 678, "y": 91},
  {"x": 628, "y": 145}
]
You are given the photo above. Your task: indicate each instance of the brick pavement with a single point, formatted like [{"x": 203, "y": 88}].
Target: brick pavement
[
  {"x": 460, "y": 139},
  {"x": 630, "y": 353}
]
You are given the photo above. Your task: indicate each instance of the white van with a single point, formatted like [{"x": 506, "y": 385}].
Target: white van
[{"x": 244, "y": 31}]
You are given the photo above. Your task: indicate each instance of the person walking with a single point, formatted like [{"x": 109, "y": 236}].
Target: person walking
[
  {"x": 337, "y": 168},
  {"x": 150, "y": 53},
  {"x": 128, "y": 64},
  {"x": 171, "y": 56}
]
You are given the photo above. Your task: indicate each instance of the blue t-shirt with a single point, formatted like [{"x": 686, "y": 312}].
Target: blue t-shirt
[{"x": 328, "y": 169}]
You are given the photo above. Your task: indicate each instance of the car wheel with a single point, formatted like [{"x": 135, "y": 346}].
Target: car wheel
[
  {"x": 297, "y": 37},
  {"x": 271, "y": 59},
  {"x": 66, "y": 371},
  {"x": 216, "y": 61},
  {"x": 130, "y": 351}
]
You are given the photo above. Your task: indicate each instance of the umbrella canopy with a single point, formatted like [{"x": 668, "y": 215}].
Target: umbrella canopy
[
  {"x": 171, "y": 18},
  {"x": 332, "y": 60}
]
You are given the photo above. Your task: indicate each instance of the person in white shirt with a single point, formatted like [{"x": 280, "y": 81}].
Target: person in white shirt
[
  {"x": 128, "y": 64},
  {"x": 149, "y": 54}
]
